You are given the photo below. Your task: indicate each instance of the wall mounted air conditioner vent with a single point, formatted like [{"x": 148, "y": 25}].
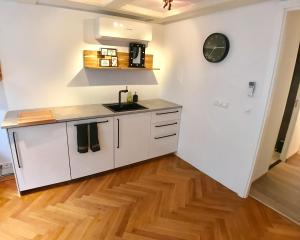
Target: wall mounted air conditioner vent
[{"x": 114, "y": 30}]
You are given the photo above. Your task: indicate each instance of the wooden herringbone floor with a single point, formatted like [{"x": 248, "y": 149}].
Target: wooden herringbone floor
[
  {"x": 279, "y": 188},
  {"x": 163, "y": 199}
]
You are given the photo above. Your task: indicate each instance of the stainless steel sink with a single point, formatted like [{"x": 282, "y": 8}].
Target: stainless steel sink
[{"x": 123, "y": 107}]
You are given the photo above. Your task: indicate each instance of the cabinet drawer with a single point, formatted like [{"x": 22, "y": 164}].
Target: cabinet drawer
[
  {"x": 163, "y": 145},
  {"x": 166, "y": 115},
  {"x": 165, "y": 128}
]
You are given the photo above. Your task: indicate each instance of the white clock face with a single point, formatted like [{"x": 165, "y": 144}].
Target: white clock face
[{"x": 216, "y": 47}]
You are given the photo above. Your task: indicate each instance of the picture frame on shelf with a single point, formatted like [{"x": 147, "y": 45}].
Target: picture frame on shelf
[
  {"x": 104, "y": 51},
  {"x": 104, "y": 63},
  {"x": 112, "y": 52},
  {"x": 137, "y": 55},
  {"x": 109, "y": 52},
  {"x": 114, "y": 62}
]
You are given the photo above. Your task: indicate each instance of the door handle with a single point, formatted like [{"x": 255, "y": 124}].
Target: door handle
[
  {"x": 163, "y": 113},
  {"x": 118, "y": 133},
  {"x": 16, "y": 149},
  {"x": 165, "y": 125},
  {"x": 171, "y": 135}
]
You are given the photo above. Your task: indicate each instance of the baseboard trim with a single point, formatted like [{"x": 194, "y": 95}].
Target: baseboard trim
[{"x": 274, "y": 164}]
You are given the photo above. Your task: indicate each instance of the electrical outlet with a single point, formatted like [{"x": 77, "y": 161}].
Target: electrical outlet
[
  {"x": 221, "y": 104},
  {"x": 6, "y": 169}
]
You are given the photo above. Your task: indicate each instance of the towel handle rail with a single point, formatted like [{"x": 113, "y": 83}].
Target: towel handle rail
[{"x": 89, "y": 123}]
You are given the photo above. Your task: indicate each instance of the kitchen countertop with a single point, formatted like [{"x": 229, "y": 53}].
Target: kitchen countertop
[{"x": 71, "y": 113}]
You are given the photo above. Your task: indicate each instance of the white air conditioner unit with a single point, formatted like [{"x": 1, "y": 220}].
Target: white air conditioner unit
[{"x": 124, "y": 31}]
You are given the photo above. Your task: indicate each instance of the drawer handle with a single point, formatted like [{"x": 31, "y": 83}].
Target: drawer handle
[
  {"x": 88, "y": 123},
  {"x": 165, "y": 125},
  {"x": 167, "y": 113},
  {"x": 118, "y": 133},
  {"x": 16, "y": 149},
  {"x": 171, "y": 135}
]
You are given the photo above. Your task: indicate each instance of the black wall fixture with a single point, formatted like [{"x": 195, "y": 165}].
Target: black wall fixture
[
  {"x": 137, "y": 55},
  {"x": 216, "y": 47}
]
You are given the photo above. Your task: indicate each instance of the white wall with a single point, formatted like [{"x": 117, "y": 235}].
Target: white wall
[
  {"x": 222, "y": 142},
  {"x": 4, "y": 147},
  {"x": 41, "y": 54}
]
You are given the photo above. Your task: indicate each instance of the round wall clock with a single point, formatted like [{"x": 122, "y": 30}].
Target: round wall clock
[{"x": 216, "y": 47}]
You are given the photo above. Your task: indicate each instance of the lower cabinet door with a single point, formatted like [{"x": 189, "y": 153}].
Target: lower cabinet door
[
  {"x": 84, "y": 164},
  {"x": 40, "y": 155},
  {"x": 132, "y": 135}
]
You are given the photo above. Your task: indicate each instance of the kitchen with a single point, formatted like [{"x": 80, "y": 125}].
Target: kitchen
[{"x": 218, "y": 125}]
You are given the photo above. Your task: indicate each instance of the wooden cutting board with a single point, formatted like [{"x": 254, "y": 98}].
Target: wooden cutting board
[{"x": 35, "y": 117}]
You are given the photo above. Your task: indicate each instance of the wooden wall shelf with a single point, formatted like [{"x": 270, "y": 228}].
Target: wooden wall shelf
[{"x": 91, "y": 60}]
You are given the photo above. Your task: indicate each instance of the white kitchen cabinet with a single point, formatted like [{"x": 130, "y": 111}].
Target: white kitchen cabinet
[
  {"x": 40, "y": 155},
  {"x": 84, "y": 164},
  {"x": 164, "y": 132},
  {"x": 132, "y": 135}
]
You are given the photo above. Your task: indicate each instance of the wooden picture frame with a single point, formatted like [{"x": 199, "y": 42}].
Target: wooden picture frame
[
  {"x": 114, "y": 62},
  {"x": 113, "y": 52},
  {"x": 104, "y": 63},
  {"x": 103, "y": 51}
]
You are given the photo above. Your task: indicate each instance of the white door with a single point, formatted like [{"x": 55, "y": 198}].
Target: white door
[
  {"x": 132, "y": 134},
  {"x": 40, "y": 155},
  {"x": 84, "y": 164}
]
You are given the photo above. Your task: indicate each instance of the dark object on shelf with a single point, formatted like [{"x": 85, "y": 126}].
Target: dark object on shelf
[
  {"x": 137, "y": 55},
  {"x": 135, "y": 97},
  {"x": 216, "y": 47}
]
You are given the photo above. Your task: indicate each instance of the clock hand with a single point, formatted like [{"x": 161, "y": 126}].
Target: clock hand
[{"x": 212, "y": 51}]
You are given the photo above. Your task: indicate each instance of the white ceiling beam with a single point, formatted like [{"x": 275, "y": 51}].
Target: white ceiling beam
[{"x": 115, "y": 4}]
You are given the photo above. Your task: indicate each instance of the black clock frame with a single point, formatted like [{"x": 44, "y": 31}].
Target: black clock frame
[{"x": 226, "y": 48}]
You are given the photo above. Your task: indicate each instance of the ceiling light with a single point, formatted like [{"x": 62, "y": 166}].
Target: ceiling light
[{"x": 168, "y": 3}]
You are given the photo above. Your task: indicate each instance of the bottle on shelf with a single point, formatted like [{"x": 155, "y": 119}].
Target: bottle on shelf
[
  {"x": 135, "y": 97},
  {"x": 129, "y": 97}
]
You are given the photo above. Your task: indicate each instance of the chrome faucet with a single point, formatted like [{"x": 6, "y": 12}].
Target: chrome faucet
[{"x": 120, "y": 95}]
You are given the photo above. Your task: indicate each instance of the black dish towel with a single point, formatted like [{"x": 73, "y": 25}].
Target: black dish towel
[
  {"x": 94, "y": 139},
  {"x": 82, "y": 138}
]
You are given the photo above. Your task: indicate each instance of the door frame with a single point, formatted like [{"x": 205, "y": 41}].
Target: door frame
[
  {"x": 289, "y": 7},
  {"x": 291, "y": 129}
]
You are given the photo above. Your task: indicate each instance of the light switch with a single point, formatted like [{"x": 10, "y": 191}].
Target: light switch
[
  {"x": 251, "y": 89},
  {"x": 221, "y": 104}
]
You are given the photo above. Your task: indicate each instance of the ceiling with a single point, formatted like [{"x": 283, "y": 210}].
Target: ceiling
[{"x": 148, "y": 10}]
